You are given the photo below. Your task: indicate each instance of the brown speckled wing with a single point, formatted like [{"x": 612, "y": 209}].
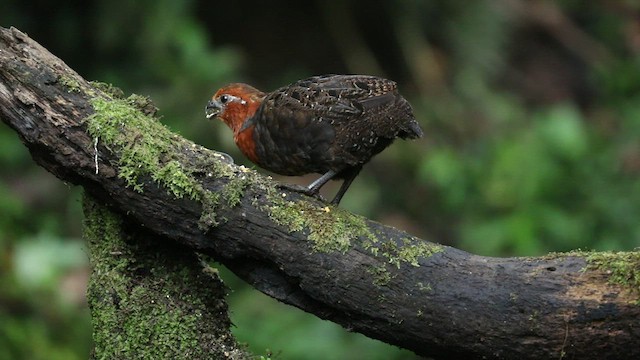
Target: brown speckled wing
[{"x": 330, "y": 122}]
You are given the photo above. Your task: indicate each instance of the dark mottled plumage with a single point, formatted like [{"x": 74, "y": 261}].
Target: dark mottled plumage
[{"x": 330, "y": 124}]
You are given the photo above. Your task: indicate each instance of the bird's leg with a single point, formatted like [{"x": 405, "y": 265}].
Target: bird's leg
[
  {"x": 315, "y": 186},
  {"x": 348, "y": 179}
]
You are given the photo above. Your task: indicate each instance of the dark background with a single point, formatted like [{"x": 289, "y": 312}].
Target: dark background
[{"x": 530, "y": 108}]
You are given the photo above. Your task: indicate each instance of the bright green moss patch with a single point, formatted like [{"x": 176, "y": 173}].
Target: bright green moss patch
[
  {"x": 146, "y": 147},
  {"x": 623, "y": 267},
  {"x": 330, "y": 228},
  {"x": 147, "y": 306},
  {"x": 333, "y": 229}
]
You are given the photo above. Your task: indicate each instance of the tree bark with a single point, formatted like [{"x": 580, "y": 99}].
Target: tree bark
[{"x": 434, "y": 300}]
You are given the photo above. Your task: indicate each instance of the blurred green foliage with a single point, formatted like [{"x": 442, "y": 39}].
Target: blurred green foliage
[{"x": 530, "y": 110}]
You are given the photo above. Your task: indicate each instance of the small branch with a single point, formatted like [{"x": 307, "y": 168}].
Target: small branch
[{"x": 370, "y": 278}]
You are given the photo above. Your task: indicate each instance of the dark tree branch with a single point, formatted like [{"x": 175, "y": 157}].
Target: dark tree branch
[{"x": 373, "y": 279}]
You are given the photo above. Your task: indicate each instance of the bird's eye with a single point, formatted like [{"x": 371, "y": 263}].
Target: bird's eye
[{"x": 224, "y": 99}]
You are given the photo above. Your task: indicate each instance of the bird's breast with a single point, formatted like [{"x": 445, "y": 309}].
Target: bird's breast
[{"x": 245, "y": 142}]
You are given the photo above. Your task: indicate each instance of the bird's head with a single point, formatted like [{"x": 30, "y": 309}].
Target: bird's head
[{"x": 234, "y": 104}]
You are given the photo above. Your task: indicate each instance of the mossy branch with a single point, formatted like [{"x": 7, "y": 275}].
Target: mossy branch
[{"x": 373, "y": 279}]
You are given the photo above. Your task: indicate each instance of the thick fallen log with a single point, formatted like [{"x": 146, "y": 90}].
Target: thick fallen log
[{"x": 434, "y": 300}]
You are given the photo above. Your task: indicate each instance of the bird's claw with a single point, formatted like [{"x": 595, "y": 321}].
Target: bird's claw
[{"x": 302, "y": 189}]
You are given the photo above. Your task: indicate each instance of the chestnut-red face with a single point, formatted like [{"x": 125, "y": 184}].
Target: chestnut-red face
[{"x": 233, "y": 104}]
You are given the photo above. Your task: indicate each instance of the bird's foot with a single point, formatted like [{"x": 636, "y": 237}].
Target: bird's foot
[{"x": 303, "y": 190}]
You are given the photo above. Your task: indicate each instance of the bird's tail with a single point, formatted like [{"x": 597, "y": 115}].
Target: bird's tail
[{"x": 411, "y": 130}]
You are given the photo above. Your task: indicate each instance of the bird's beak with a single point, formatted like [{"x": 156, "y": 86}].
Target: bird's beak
[{"x": 212, "y": 109}]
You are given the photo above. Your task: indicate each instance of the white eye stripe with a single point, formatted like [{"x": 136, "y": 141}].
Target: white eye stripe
[{"x": 231, "y": 98}]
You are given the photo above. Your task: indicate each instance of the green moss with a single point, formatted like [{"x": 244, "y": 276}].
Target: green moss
[
  {"x": 233, "y": 191},
  {"x": 413, "y": 249},
  {"x": 209, "y": 218},
  {"x": 329, "y": 228},
  {"x": 409, "y": 251},
  {"x": 381, "y": 275},
  {"x": 623, "y": 267},
  {"x": 143, "y": 103},
  {"x": 72, "y": 84},
  {"x": 146, "y": 147},
  {"x": 109, "y": 89},
  {"x": 333, "y": 229},
  {"x": 145, "y": 308}
]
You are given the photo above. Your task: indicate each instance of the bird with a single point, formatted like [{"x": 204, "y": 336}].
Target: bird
[{"x": 328, "y": 124}]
